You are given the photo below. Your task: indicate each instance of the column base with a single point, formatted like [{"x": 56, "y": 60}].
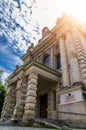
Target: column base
[{"x": 27, "y": 121}]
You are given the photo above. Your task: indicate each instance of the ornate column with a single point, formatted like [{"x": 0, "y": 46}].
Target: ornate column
[
  {"x": 72, "y": 58},
  {"x": 30, "y": 103},
  {"x": 64, "y": 63}
]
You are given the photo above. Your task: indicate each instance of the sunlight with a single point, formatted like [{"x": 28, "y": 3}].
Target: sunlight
[{"x": 76, "y": 8}]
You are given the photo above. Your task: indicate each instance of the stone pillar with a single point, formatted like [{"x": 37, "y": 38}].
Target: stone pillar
[
  {"x": 52, "y": 57},
  {"x": 81, "y": 53},
  {"x": 64, "y": 63},
  {"x": 30, "y": 103},
  {"x": 9, "y": 103},
  {"x": 20, "y": 98},
  {"x": 72, "y": 58},
  {"x": 16, "y": 114}
]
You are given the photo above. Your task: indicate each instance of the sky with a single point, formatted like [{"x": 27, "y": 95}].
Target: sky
[{"x": 21, "y": 23}]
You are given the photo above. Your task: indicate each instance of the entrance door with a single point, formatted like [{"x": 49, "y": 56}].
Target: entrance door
[{"x": 43, "y": 106}]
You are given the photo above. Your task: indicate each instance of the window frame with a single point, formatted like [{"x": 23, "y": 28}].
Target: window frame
[
  {"x": 46, "y": 60},
  {"x": 58, "y": 61}
]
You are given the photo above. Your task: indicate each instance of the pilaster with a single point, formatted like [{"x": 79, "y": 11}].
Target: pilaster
[
  {"x": 81, "y": 55},
  {"x": 75, "y": 75},
  {"x": 64, "y": 63}
]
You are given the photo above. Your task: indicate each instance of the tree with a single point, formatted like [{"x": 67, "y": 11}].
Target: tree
[{"x": 2, "y": 96}]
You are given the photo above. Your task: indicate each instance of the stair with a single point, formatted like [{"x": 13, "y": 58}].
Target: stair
[{"x": 48, "y": 123}]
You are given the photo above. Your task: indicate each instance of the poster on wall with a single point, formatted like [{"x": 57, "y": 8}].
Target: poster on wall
[{"x": 70, "y": 98}]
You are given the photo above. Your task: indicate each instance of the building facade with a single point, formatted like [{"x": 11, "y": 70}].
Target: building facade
[{"x": 52, "y": 82}]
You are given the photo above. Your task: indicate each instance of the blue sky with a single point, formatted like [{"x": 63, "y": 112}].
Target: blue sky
[{"x": 21, "y": 22}]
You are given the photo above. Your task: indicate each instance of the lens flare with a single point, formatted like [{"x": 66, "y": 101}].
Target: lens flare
[{"x": 76, "y": 8}]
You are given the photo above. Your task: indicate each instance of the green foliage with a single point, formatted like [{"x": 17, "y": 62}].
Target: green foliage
[
  {"x": 0, "y": 82},
  {"x": 2, "y": 96}
]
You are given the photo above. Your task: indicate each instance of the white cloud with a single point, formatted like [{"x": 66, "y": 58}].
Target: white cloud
[
  {"x": 5, "y": 76},
  {"x": 18, "y": 18},
  {"x": 12, "y": 60}
]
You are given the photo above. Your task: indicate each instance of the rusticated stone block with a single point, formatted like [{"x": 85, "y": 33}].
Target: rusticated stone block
[
  {"x": 32, "y": 80},
  {"x": 32, "y": 87},
  {"x": 24, "y": 91},
  {"x": 30, "y": 112},
  {"x": 31, "y": 99},
  {"x": 31, "y": 93},
  {"x": 30, "y": 106}
]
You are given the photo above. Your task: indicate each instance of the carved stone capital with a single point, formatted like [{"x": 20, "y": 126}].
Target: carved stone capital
[
  {"x": 61, "y": 36},
  {"x": 33, "y": 75}
]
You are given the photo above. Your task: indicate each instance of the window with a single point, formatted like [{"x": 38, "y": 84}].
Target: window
[
  {"x": 46, "y": 61},
  {"x": 58, "y": 62}
]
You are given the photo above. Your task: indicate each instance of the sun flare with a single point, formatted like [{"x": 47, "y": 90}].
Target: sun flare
[{"x": 76, "y": 8}]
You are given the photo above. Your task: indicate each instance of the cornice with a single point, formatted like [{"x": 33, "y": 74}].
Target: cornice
[
  {"x": 44, "y": 43},
  {"x": 70, "y": 90},
  {"x": 68, "y": 23},
  {"x": 64, "y": 24},
  {"x": 16, "y": 72},
  {"x": 39, "y": 65}
]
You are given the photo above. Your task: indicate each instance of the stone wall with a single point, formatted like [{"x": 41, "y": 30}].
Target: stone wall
[{"x": 72, "y": 111}]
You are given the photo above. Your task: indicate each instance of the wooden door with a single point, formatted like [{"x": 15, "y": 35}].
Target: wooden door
[{"x": 43, "y": 106}]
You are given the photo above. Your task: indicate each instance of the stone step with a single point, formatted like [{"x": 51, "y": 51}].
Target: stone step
[{"x": 48, "y": 122}]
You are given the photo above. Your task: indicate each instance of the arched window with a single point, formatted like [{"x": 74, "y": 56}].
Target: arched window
[{"x": 46, "y": 61}]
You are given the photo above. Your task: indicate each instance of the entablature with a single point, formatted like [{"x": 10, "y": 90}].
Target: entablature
[{"x": 35, "y": 67}]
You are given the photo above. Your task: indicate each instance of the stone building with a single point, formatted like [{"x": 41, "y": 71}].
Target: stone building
[{"x": 52, "y": 81}]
